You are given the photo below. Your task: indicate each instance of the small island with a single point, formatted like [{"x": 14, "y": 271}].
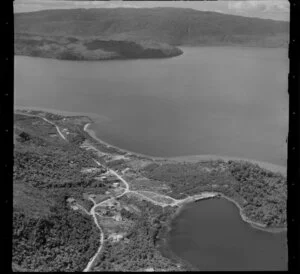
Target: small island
[{"x": 86, "y": 205}]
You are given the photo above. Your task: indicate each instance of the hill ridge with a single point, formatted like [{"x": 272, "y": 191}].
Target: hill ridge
[{"x": 174, "y": 26}]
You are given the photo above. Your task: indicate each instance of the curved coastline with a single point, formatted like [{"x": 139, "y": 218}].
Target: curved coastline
[
  {"x": 254, "y": 224},
  {"x": 190, "y": 158},
  {"x": 163, "y": 240},
  {"x": 92, "y": 133},
  {"x": 211, "y": 195},
  {"x": 163, "y": 246},
  {"x": 198, "y": 197}
]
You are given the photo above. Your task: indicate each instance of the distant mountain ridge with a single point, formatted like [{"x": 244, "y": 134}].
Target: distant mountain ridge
[{"x": 174, "y": 26}]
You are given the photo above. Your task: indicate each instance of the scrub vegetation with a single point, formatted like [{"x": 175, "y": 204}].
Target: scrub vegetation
[
  {"x": 261, "y": 193},
  {"x": 47, "y": 234},
  {"x": 80, "y": 204},
  {"x": 138, "y": 251}
]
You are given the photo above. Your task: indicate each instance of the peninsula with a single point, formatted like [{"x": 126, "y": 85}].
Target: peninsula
[
  {"x": 90, "y": 49},
  {"x": 81, "y": 204}
]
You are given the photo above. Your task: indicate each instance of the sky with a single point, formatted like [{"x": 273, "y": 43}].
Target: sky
[{"x": 266, "y": 9}]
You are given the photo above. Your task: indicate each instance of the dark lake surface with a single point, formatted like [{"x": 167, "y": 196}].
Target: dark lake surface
[
  {"x": 211, "y": 235},
  {"x": 226, "y": 101},
  {"x": 211, "y": 100}
]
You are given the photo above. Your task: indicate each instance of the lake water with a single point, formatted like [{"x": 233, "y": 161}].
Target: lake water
[
  {"x": 211, "y": 235},
  {"x": 219, "y": 100},
  {"x": 211, "y": 100}
]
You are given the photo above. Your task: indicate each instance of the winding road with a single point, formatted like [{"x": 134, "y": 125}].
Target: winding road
[
  {"x": 93, "y": 213},
  {"x": 174, "y": 202},
  {"x": 46, "y": 120},
  {"x": 127, "y": 190}
]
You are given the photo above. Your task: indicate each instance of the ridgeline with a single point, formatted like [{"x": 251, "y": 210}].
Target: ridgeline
[{"x": 127, "y": 33}]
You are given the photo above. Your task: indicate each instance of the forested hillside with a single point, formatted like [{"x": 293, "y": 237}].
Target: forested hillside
[
  {"x": 71, "y": 48},
  {"x": 262, "y": 194},
  {"x": 52, "y": 228},
  {"x": 80, "y": 205},
  {"x": 175, "y": 26},
  {"x": 47, "y": 234}
]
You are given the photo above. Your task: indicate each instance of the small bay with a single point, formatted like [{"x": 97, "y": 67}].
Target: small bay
[
  {"x": 229, "y": 101},
  {"x": 226, "y": 101},
  {"x": 211, "y": 235}
]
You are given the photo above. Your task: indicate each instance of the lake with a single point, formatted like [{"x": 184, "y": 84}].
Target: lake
[
  {"x": 227, "y": 101},
  {"x": 211, "y": 235},
  {"x": 211, "y": 100}
]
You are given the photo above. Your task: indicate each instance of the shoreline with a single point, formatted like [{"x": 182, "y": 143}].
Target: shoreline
[
  {"x": 187, "y": 158},
  {"x": 164, "y": 237},
  {"x": 256, "y": 225},
  {"x": 214, "y": 195},
  {"x": 200, "y": 196},
  {"x": 89, "y": 115},
  {"x": 191, "y": 158},
  {"x": 204, "y": 157},
  {"x": 109, "y": 59},
  {"x": 92, "y": 133}
]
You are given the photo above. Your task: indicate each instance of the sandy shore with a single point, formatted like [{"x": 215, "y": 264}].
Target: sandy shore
[
  {"x": 194, "y": 158},
  {"x": 189, "y": 158},
  {"x": 92, "y": 133},
  {"x": 208, "y": 195}
]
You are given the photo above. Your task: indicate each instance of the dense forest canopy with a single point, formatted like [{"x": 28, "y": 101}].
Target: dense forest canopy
[
  {"x": 261, "y": 193},
  {"x": 48, "y": 234},
  {"x": 52, "y": 234}
]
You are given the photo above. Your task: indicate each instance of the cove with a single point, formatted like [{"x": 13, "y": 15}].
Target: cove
[
  {"x": 229, "y": 101},
  {"x": 211, "y": 235}
]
